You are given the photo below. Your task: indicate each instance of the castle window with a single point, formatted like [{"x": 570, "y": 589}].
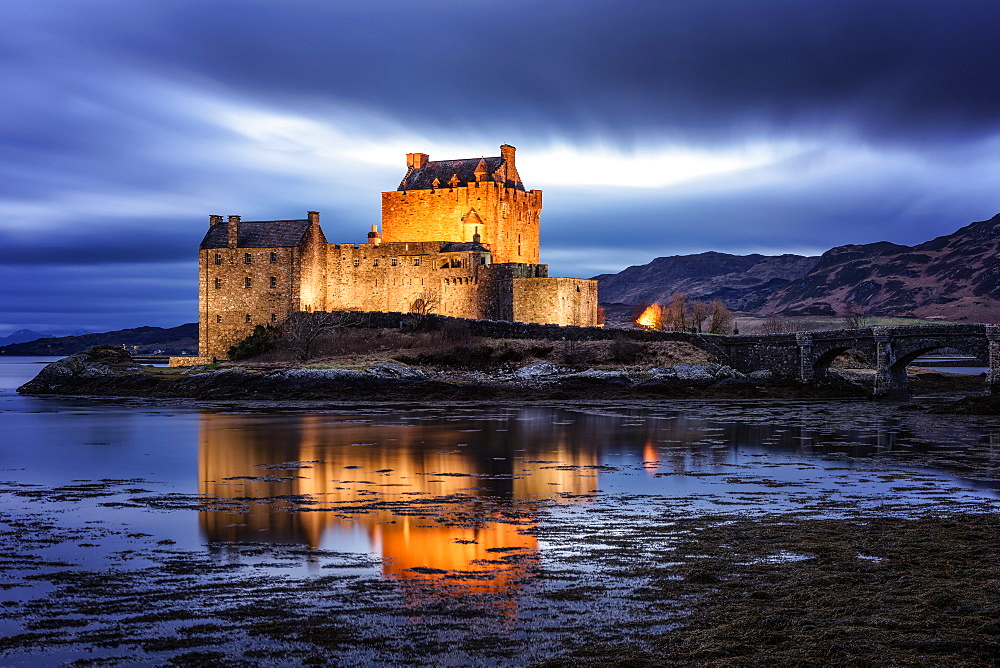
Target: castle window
[
  {"x": 218, "y": 283},
  {"x": 249, "y": 319},
  {"x": 416, "y": 262},
  {"x": 274, "y": 317},
  {"x": 375, "y": 262},
  {"x": 357, "y": 262},
  {"x": 218, "y": 318},
  {"x": 246, "y": 282},
  {"x": 274, "y": 282},
  {"x": 247, "y": 258},
  {"x": 274, "y": 258},
  {"x": 578, "y": 288},
  {"x": 218, "y": 258},
  {"x": 395, "y": 262}
]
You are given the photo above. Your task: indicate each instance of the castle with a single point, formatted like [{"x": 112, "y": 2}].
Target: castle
[{"x": 458, "y": 238}]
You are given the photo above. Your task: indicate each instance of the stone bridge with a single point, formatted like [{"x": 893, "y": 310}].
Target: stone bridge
[{"x": 806, "y": 356}]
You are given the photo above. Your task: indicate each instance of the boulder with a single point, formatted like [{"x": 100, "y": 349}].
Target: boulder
[{"x": 536, "y": 370}]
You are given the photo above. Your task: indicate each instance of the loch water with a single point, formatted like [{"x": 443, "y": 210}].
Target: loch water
[{"x": 435, "y": 499}]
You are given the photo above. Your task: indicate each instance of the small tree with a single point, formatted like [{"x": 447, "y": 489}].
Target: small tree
[
  {"x": 263, "y": 339},
  {"x": 426, "y": 302},
  {"x": 854, "y": 316},
  {"x": 300, "y": 330},
  {"x": 775, "y": 324},
  {"x": 649, "y": 316},
  {"x": 676, "y": 316},
  {"x": 698, "y": 312},
  {"x": 721, "y": 319}
]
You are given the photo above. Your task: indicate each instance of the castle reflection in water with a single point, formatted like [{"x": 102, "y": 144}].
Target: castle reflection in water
[{"x": 492, "y": 468}]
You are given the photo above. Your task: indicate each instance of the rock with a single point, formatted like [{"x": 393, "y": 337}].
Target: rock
[
  {"x": 537, "y": 369},
  {"x": 728, "y": 372},
  {"x": 662, "y": 371},
  {"x": 763, "y": 374},
  {"x": 595, "y": 373},
  {"x": 695, "y": 372},
  {"x": 299, "y": 376},
  {"x": 396, "y": 370}
]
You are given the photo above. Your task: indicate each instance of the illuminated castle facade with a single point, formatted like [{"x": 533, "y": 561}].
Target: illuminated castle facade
[{"x": 458, "y": 238}]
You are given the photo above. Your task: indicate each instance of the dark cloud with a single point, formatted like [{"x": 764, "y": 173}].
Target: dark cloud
[{"x": 900, "y": 68}]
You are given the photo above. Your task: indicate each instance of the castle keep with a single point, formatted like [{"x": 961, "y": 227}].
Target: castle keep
[{"x": 458, "y": 237}]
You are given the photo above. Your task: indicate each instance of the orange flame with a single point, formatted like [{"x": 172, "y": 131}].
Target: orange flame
[{"x": 651, "y": 317}]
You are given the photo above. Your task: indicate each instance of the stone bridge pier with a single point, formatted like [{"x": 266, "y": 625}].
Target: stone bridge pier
[{"x": 806, "y": 356}]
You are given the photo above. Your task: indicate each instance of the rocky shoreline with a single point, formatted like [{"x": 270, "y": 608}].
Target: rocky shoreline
[{"x": 110, "y": 372}]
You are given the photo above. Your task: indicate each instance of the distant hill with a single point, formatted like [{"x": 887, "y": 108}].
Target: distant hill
[
  {"x": 22, "y": 336},
  {"x": 738, "y": 280},
  {"x": 148, "y": 340},
  {"x": 953, "y": 277}
]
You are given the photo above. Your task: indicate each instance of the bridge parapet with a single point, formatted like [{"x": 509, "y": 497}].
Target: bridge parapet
[{"x": 807, "y": 355}]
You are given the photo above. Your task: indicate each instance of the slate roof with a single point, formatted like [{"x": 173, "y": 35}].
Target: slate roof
[
  {"x": 443, "y": 170},
  {"x": 258, "y": 234},
  {"x": 460, "y": 246}
]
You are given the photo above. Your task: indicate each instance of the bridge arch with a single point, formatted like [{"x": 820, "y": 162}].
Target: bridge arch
[{"x": 824, "y": 356}]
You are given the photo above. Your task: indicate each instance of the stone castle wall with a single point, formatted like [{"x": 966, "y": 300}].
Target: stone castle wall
[
  {"x": 556, "y": 301},
  {"x": 229, "y": 310},
  {"x": 506, "y": 218}
]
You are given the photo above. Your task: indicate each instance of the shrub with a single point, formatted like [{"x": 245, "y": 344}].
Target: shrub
[
  {"x": 264, "y": 338},
  {"x": 624, "y": 350}
]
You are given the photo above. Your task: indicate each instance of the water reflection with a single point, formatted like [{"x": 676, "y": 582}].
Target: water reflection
[
  {"x": 388, "y": 480},
  {"x": 437, "y": 494}
]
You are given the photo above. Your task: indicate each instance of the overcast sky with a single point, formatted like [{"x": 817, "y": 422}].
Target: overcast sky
[{"x": 654, "y": 128}]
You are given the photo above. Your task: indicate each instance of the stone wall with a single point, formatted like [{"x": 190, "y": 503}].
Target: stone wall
[
  {"x": 505, "y": 218},
  {"x": 557, "y": 301},
  {"x": 229, "y": 310}
]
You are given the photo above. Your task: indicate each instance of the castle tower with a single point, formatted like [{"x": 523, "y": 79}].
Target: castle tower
[{"x": 452, "y": 200}]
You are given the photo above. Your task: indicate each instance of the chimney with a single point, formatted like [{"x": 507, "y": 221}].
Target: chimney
[
  {"x": 374, "y": 237},
  {"x": 234, "y": 231},
  {"x": 313, "y": 217},
  {"x": 214, "y": 220},
  {"x": 416, "y": 160},
  {"x": 507, "y": 153}
]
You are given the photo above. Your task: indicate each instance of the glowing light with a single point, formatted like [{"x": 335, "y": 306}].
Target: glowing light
[{"x": 651, "y": 317}]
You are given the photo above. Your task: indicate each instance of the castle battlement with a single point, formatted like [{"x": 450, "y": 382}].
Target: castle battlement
[{"x": 459, "y": 234}]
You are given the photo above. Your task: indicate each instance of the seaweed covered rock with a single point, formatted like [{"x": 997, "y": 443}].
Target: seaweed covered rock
[{"x": 93, "y": 364}]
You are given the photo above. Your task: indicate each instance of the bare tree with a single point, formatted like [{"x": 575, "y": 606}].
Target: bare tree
[
  {"x": 300, "y": 330},
  {"x": 676, "y": 315},
  {"x": 698, "y": 312},
  {"x": 721, "y": 319},
  {"x": 775, "y": 324},
  {"x": 854, "y": 316},
  {"x": 426, "y": 302}
]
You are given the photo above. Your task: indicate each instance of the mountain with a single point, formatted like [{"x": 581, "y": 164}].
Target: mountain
[
  {"x": 21, "y": 336},
  {"x": 738, "y": 280},
  {"x": 954, "y": 277},
  {"x": 146, "y": 340}
]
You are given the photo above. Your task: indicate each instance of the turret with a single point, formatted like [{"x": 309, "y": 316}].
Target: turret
[{"x": 374, "y": 237}]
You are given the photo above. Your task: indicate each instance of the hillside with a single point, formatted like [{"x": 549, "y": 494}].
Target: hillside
[
  {"x": 738, "y": 280},
  {"x": 953, "y": 277},
  {"x": 145, "y": 340}
]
